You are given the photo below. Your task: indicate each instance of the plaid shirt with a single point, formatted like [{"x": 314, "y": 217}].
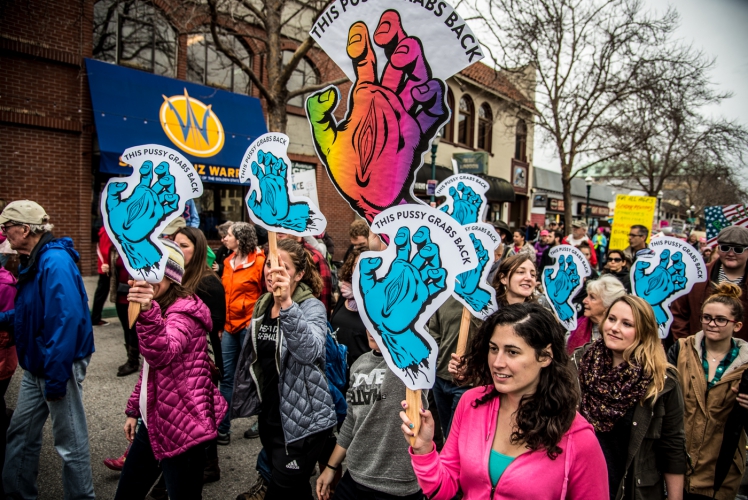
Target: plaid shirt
[
  {"x": 724, "y": 364},
  {"x": 324, "y": 272}
]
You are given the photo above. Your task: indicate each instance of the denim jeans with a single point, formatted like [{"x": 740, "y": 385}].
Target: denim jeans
[
  {"x": 70, "y": 433},
  {"x": 231, "y": 347},
  {"x": 183, "y": 474},
  {"x": 447, "y": 395}
]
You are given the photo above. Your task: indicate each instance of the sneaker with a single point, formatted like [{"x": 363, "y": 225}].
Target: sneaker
[
  {"x": 223, "y": 439},
  {"x": 256, "y": 492},
  {"x": 102, "y": 323},
  {"x": 253, "y": 432},
  {"x": 116, "y": 464}
]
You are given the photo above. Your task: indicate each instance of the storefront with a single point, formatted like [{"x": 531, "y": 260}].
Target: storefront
[{"x": 212, "y": 127}]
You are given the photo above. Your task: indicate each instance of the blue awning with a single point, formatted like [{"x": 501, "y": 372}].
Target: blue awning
[{"x": 212, "y": 127}]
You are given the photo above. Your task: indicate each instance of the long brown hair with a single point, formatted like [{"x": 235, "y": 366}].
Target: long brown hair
[
  {"x": 197, "y": 269},
  {"x": 727, "y": 294},
  {"x": 303, "y": 262},
  {"x": 544, "y": 416},
  {"x": 507, "y": 268}
]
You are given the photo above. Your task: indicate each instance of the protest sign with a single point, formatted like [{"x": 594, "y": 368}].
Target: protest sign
[
  {"x": 465, "y": 197},
  {"x": 630, "y": 211},
  {"x": 563, "y": 280},
  {"x": 719, "y": 217},
  {"x": 398, "y": 55},
  {"x": 667, "y": 271},
  {"x": 399, "y": 289}
]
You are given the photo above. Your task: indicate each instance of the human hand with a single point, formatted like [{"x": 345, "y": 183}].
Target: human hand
[
  {"x": 560, "y": 287},
  {"x": 275, "y": 207},
  {"x": 279, "y": 283},
  {"x": 105, "y": 268},
  {"x": 465, "y": 205},
  {"x": 133, "y": 220},
  {"x": 467, "y": 285},
  {"x": 142, "y": 293},
  {"x": 742, "y": 399},
  {"x": 372, "y": 155},
  {"x": 425, "y": 439},
  {"x": 659, "y": 285},
  {"x": 395, "y": 301},
  {"x": 130, "y": 426},
  {"x": 456, "y": 368},
  {"x": 214, "y": 266},
  {"x": 323, "y": 483}
]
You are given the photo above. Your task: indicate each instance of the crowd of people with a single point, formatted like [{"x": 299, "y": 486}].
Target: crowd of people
[{"x": 531, "y": 410}]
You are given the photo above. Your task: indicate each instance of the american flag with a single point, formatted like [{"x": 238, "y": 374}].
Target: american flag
[{"x": 719, "y": 217}]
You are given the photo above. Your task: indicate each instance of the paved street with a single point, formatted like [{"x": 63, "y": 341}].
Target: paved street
[{"x": 105, "y": 396}]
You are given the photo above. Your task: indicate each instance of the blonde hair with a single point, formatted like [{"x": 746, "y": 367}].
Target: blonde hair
[{"x": 646, "y": 349}]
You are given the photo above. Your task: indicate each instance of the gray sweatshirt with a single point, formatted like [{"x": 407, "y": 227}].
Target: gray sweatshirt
[{"x": 377, "y": 453}]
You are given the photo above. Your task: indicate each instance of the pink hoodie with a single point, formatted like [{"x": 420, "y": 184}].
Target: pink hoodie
[{"x": 578, "y": 473}]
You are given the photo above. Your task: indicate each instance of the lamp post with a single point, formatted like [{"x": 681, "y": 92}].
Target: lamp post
[
  {"x": 434, "y": 146},
  {"x": 693, "y": 214},
  {"x": 659, "y": 207},
  {"x": 588, "y": 181}
]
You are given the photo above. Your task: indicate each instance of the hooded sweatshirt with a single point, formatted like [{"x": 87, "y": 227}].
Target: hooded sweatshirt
[
  {"x": 578, "y": 472},
  {"x": 8, "y": 356}
]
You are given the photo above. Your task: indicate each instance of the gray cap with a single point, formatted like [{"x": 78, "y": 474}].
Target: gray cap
[
  {"x": 733, "y": 235},
  {"x": 25, "y": 212},
  {"x": 579, "y": 223}
]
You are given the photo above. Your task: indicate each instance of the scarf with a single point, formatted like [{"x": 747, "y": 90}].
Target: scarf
[
  {"x": 346, "y": 290},
  {"x": 608, "y": 392}
]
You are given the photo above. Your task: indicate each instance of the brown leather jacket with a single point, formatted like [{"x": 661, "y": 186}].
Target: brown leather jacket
[{"x": 687, "y": 309}]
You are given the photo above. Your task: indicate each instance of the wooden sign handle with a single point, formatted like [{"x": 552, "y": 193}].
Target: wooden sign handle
[
  {"x": 133, "y": 311},
  {"x": 462, "y": 339},
  {"x": 413, "y": 398},
  {"x": 273, "y": 246}
]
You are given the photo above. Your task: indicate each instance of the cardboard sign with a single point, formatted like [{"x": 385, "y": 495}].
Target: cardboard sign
[
  {"x": 466, "y": 198},
  {"x": 720, "y": 217},
  {"x": 563, "y": 280},
  {"x": 137, "y": 208},
  {"x": 398, "y": 56},
  {"x": 668, "y": 271},
  {"x": 630, "y": 211},
  {"x": 399, "y": 289},
  {"x": 270, "y": 200}
]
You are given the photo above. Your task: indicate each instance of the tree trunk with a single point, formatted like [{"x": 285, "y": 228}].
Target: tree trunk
[
  {"x": 276, "y": 109},
  {"x": 566, "y": 183}
]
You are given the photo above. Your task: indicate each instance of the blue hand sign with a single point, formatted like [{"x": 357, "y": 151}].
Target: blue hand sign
[
  {"x": 134, "y": 219},
  {"x": 465, "y": 205},
  {"x": 662, "y": 283},
  {"x": 270, "y": 200},
  {"x": 467, "y": 285},
  {"x": 563, "y": 280},
  {"x": 394, "y": 302}
]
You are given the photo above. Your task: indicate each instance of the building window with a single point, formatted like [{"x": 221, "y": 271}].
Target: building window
[
  {"x": 485, "y": 130},
  {"x": 448, "y": 132},
  {"x": 134, "y": 34},
  {"x": 465, "y": 122},
  {"x": 520, "y": 142},
  {"x": 303, "y": 76},
  {"x": 209, "y": 66}
]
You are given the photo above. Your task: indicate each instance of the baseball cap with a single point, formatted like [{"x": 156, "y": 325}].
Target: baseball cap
[
  {"x": 544, "y": 233},
  {"x": 174, "y": 225},
  {"x": 25, "y": 211},
  {"x": 579, "y": 223},
  {"x": 731, "y": 235}
]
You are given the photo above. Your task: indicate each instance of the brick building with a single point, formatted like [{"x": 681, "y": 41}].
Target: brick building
[{"x": 53, "y": 154}]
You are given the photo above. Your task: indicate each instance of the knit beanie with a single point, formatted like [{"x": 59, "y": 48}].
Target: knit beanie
[{"x": 175, "y": 264}]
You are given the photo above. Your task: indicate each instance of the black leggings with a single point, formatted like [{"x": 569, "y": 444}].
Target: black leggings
[
  {"x": 349, "y": 489},
  {"x": 131, "y": 336}
]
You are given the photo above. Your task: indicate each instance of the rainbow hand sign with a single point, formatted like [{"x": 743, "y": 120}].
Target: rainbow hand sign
[{"x": 372, "y": 155}]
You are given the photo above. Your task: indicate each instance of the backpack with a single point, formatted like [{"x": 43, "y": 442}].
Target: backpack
[{"x": 336, "y": 370}]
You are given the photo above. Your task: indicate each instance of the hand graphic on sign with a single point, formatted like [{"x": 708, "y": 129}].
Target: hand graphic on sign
[
  {"x": 465, "y": 205},
  {"x": 659, "y": 285},
  {"x": 394, "y": 302},
  {"x": 275, "y": 207},
  {"x": 467, "y": 283},
  {"x": 372, "y": 155},
  {"x": 134, "y": 219},
  {"x": 561, "y": 286}
]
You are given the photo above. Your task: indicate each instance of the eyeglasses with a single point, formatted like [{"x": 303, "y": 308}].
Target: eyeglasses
[
  {"x": 718, "y": 320},
  {"x": 727, "y": 248},
  {"x": 632, "y": 235},
  {"x": 615, "y": 259},
  {"x": 4, "y": 227}
]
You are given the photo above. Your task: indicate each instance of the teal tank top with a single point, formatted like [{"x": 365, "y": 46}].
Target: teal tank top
[{"x": 497, "y": 464}]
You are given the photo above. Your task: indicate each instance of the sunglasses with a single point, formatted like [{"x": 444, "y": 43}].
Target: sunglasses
[
  {"x": 615, "y": 259},
  {"x": 727, "y": 248},
  {"x": 632, "y": 235},
  {"x": 718, "y": 320}
]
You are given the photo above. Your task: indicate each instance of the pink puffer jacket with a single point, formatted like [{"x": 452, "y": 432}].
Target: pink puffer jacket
[{"x": 183, "y": 404}]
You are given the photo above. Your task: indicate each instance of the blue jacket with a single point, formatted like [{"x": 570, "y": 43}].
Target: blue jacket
[{"x": 51, "y": 319}]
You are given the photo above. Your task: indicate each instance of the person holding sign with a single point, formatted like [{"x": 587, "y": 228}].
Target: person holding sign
[
  {"x": 517, "y": 435},
  {"x": 175, "y": 397},
  {"x": 281, "y": 372},
  {"x": 631, "y": 396}
]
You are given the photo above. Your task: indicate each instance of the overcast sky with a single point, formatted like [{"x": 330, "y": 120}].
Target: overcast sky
[{"x": 720, "y": 29}]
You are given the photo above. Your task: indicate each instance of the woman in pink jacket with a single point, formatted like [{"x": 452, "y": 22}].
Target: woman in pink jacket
[
  {"x": 175, "y": 397},
  {"x": 517, "y": 434}
]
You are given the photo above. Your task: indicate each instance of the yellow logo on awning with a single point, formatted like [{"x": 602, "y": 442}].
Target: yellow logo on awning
[{"x": 191, "y": 125}]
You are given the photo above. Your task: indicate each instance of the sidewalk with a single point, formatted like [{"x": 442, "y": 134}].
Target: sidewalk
[{"x": 90, "y": 283}]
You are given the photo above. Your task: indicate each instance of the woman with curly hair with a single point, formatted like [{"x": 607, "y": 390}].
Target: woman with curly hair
[
  {"x": 516, "y": 435},
  {"x": 632, "y": 398}
]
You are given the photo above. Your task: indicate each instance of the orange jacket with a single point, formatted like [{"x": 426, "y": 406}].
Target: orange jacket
[{"x": 243, "y": 287}]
